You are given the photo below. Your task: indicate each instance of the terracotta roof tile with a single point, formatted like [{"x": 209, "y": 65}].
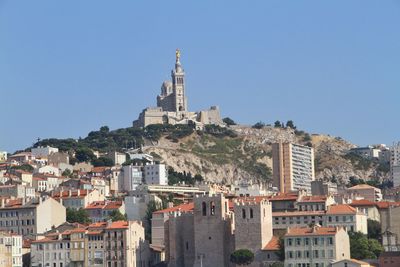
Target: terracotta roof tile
[
  {"x": 306, "y": 231},
  {"x": 183, "y": 207},
  {"x": 118, "y": 225},
  {"x": 361, "y": 186},
  {"x": 341, "y": 209},
  {"x": 362, "y": 202},
  {"x": 273, "y": 244}
]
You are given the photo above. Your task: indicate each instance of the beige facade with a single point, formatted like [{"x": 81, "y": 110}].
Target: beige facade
[
  {"x": 316, "y": 246},
  {"x": 366, "y": 191},
  {"x": 77, "y": 199},
  {"x": 36, "y": 216},
  {"x": 293, "y": 167},
  {"x": 107, "y": 244},
  {"x": 10, "y": 250}
]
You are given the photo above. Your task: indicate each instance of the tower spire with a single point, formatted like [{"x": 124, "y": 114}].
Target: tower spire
[{"x": 177, "y": 55}]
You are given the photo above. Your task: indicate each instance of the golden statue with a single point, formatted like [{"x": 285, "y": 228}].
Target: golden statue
[{"x": 177, "y": 54}]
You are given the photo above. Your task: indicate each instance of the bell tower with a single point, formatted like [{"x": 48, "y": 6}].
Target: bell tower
[{"x": 178, "y": 84}]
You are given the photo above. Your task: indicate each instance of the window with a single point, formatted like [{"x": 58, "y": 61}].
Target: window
[
  {"x": 251, "y": 213},
  {"x": 204, "y": 208},
  {"x": 212, "y": 208},
  {"x": 243, "y": 213}
]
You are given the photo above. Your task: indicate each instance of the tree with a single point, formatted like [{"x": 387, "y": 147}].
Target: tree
[
  {"x": 374, "y": 229},
  {"x": 259, "y": 125},
  {"x": 242, "y": 257},
  {"x": 79, "y": 216},
  {"x": 229, "y": 121},
  {"x": 281, "y": 251},
  {"x": 23, "y": 167},
  {"x": 104, "y": 129},
  {"x": 103, "y": 162},
  {"x": 278, "y": 124},
  {"x": 116, "y": 215},
  {"x": 290, "y": 124},
  {"x": 67, "y": 173},
  {"x": 363, "y": 248},
  {"x": 84, "y": 154}
]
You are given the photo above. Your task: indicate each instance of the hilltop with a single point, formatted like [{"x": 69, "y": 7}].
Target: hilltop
[{"x": 227, "y": 154}]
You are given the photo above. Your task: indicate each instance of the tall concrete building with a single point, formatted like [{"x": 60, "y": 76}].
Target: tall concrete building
[
  {"x": 293, "y": 167},
  {"x": 395, "y": 164},
  {"x": 172, "y": 104}
]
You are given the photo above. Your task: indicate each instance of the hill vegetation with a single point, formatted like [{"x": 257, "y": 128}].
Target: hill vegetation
[{"x": 222, "y": 154}]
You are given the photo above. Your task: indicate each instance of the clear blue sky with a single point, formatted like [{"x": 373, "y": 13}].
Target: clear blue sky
[{"x": 69, "y": 67}]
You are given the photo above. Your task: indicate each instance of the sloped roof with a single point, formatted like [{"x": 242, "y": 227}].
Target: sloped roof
[
  {"x": 341, "y": 209},
  {"x": 307, "y": 231},
  {"x": 273, "y": 244}
]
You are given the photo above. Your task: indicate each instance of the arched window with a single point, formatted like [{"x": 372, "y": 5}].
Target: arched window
[
  {"x": 251, "y": 213},
  {"x": 264, "y": 212},
  {"x": 212, "y": 208},
  {"x": 204, "y": 208},
  {"x": 243, "y": 213}
]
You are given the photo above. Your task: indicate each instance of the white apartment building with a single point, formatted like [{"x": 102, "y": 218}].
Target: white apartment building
[
  {"x": 132, "y": 177},
  {"x": 395, "y": 164},
  {"x": 316, "y": 246},
  {"x": 156, "y": 174},
  {"x": 293, "y": 167}
]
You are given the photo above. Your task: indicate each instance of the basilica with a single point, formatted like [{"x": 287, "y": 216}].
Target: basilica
[{"x": 172, "y": 107}]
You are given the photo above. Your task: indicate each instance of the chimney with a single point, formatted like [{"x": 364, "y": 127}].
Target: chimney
[
  {"x": 2, "y": 203},
  {"x": 79, "y": 192},
  {"x": 69, "y": 192}
]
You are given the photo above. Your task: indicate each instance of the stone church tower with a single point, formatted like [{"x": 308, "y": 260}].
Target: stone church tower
[
  {"x": 178, "y": 85},
  {"x": 173, "y": 97}
]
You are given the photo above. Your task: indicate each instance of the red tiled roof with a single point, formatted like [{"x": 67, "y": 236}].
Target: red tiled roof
[
  {"x": 273, "y": 244},
  {"x": 118, "y": 225},
  {"x": 361, "y": 186},
  {"x": 110, "y": 205},
  {"x": 313, "y": 199},
  {"x": 306, "y": 231},
  {"x": 284, "y": 197},
  {"x": 362, "y": 202},
  {"x": 341, "y": 209},
  {"x": 183, "y": 207}
]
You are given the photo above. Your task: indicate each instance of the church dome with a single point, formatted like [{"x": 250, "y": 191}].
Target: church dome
[{"x": 166, "y": 84}]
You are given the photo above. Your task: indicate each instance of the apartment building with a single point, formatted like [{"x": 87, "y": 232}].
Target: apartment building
[
  {"x": 293, "y": 167},
  {"x": 77, "y": 199},
  {"x": 108, "y": 244},
  {"x": 100, "y": 211},
  {"x": 336, "y": 215},
  {"x": 156, "y": 174},
  {"x": 17, "y": 191},
  {"x": 36, "y": 216},
  {"x": 316, "y": 246},
  {"x": 10, "y": 249},
  {"x": 366, "y": 191}
]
